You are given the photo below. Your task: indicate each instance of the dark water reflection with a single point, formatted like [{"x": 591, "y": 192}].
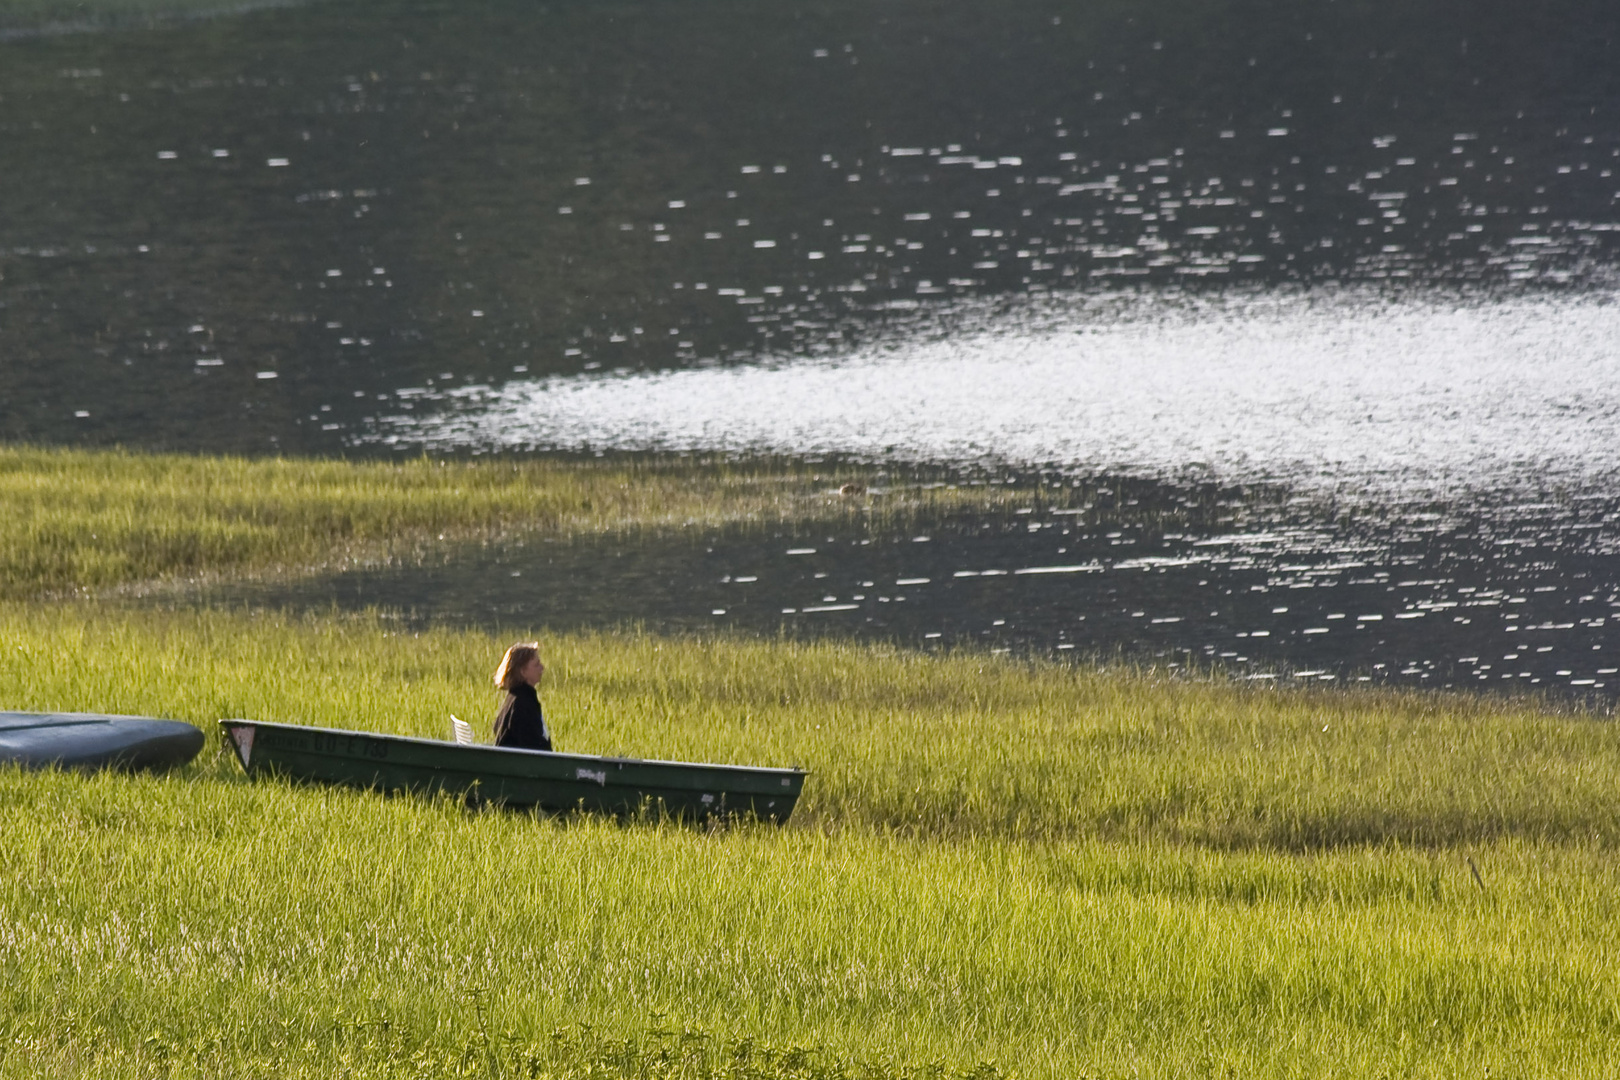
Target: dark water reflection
[
  {"x": 1518, "y": 599},
  {"x": 271, "y": 231},
  {"x": 1362, "y": 252}
]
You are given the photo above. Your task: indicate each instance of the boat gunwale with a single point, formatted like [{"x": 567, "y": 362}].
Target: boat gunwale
[{"x": 769, "y": 770}]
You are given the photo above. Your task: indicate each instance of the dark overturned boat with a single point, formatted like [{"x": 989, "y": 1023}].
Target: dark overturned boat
[
  {"x": 95, "y": 741},
  {"x": 542, "y": 779}
]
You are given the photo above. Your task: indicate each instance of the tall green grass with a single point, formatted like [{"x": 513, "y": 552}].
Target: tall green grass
[
  {"x": 199, "y": 926},
  {"x": 77, "y": 519},
  {"x": 965, "y": 745},
  {"x": 1045, "y": 871},
  {"x": 998, "y": 866}
]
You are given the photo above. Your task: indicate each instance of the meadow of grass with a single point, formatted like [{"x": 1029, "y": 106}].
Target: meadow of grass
[
  {"x": 87, "y": 519},
  {"x": 1050, "y": 870},
  {"x": 957, "y": 746},
  {"x": 201, "y": 926}
]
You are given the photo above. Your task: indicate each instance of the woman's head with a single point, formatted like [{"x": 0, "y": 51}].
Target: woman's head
[{"x": 521, "y": 664}]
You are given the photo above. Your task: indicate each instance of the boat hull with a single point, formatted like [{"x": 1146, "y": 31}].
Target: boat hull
[
  {"x": 95, "y": 741},
  {"x": 546, "y": 780}
]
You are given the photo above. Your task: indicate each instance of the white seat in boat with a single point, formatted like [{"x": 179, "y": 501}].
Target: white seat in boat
[{"x": 462, "y": 730}]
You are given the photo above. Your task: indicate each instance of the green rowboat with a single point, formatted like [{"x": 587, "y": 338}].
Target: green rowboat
[{"x": 538, "y": 778}]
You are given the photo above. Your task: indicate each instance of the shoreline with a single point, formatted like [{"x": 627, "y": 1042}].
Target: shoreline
[{"x": 1001, "y": 866}]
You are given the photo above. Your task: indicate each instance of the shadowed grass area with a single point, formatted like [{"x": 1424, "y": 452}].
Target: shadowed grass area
[{"x": 96, "y": 519}]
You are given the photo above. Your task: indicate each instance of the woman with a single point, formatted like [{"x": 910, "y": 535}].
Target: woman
[{"x": 519, "y": 723}]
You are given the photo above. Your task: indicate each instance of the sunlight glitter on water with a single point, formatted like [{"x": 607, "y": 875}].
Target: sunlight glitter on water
[{"x": 1339, "y": 391}]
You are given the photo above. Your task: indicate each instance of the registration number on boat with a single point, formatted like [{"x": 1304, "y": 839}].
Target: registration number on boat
[{"x": 321, "y": 742}]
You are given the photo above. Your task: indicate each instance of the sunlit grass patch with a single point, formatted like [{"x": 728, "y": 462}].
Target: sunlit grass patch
[
  {"x": 955, "y": 745},
  {"x": 212, "y": 927},
  {"x": 998, "y": 866},
  {"x": 78, "y": 519}
]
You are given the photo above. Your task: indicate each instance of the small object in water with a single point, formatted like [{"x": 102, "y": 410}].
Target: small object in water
[{"x": 852, "y": 488}]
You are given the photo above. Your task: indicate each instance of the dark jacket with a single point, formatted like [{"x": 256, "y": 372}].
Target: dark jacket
[{"x": 519, "y": 722}]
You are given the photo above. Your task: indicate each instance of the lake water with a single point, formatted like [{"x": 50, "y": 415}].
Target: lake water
[
  {"x": 1514, "y": 597},
  {"x": 1351, "y": 265}
]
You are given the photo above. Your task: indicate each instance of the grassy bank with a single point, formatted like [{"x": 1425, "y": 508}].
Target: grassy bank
[
  {"x": 1008, "y": 866},
  {"x": 1058, "y": 872},
  {"x": 958, "y": 746},
  {"x": 97, "y": 519}
]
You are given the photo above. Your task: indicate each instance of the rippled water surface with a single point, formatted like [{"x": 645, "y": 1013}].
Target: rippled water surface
[
  {"x": 281, "y": 229},
  {"x": 1517, "y": 597},
  {"x": 1331, "y": 391},
  {"x": 1340, "y": 276}
]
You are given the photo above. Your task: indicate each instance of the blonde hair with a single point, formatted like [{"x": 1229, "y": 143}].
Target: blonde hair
[{"x": 516, "y": 659}]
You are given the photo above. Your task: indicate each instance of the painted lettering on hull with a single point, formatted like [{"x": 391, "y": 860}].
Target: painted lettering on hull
[
  {"x": 355, "y": 746},
  {"x": 324, "y": 742}
]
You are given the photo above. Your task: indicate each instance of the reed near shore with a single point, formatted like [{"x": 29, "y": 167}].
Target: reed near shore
[{"x": 88, "y": 520}]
